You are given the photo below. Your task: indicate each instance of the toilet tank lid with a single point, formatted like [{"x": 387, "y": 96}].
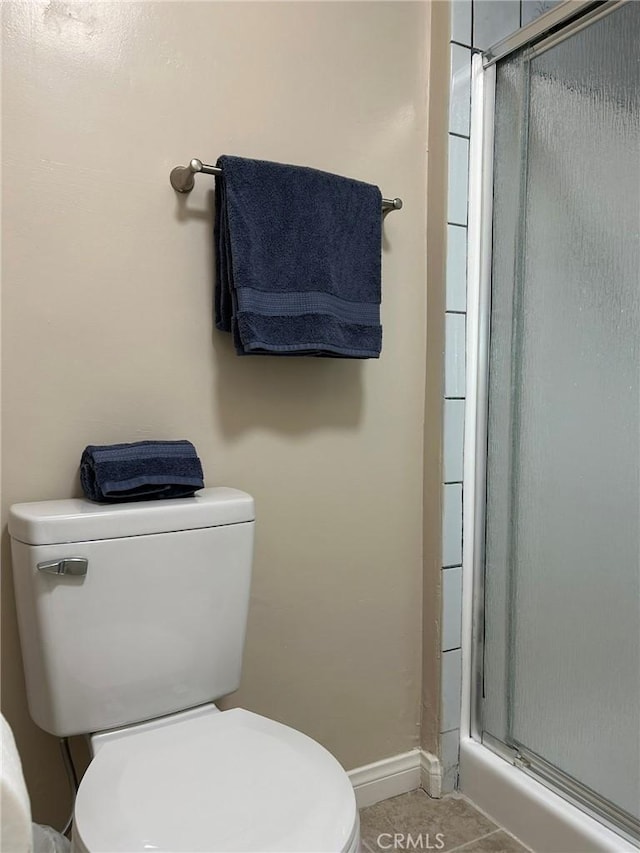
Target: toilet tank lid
[{"x": 80, "y": 520}]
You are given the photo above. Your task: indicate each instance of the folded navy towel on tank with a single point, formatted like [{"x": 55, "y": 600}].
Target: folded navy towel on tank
[
  {"x": 142, "y": 470},
  {"x": 298, "y": 260}
]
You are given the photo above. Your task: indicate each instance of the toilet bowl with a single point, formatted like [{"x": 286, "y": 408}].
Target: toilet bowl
[
  {"x": 132, "y": 622},
  {"x": 214, "y": 781}
]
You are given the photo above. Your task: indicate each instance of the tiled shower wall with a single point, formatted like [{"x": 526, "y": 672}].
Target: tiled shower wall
[{"x": 475, "y": 25}]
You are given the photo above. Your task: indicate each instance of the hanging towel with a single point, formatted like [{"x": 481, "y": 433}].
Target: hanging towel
[
  {"x": 298, "y": 260},
  {"x": 143, "y": 470}
]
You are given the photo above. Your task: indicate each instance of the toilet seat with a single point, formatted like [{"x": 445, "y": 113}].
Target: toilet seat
[{"x": 229, "y": 781}]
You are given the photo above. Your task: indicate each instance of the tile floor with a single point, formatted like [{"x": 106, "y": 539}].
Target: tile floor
[{"x": 418, "y": 822}]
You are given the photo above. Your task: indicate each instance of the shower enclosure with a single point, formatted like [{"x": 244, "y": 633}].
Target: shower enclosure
[{"x": 555, "y": 676}]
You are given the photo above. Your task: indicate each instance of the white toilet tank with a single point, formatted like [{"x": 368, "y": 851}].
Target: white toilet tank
[{"x": 157, "y": 623}]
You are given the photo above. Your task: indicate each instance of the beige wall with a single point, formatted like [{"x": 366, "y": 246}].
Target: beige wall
[{"x": 107, "y": 329}]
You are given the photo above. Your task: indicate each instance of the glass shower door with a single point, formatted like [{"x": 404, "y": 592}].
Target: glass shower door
[{"x": 562, "y": 562}]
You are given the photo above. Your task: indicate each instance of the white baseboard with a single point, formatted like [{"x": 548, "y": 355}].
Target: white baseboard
[
  {"x": 431, "y": 774},
  {"x": 397, "y": 775}
]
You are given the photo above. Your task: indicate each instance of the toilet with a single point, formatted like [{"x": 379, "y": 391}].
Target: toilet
[{"x": 132, "y": 622}]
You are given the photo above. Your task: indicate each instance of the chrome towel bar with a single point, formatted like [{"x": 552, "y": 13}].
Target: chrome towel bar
[{"x": 182, "y": 180}]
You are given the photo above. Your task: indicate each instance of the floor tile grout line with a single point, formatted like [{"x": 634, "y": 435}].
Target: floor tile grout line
[
  {"x": 474, "y": 840},
  {"x": 459, "y": 846},
  {"x": 368, "y": 846}
]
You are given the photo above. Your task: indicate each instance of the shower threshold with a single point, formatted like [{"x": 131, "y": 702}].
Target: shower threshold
[{"x": 543, "y": 820}]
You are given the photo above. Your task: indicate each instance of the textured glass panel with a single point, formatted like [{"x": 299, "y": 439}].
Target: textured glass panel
[
  {"x": 562, "y": 674},
  {"x": 509, "y": 143}
]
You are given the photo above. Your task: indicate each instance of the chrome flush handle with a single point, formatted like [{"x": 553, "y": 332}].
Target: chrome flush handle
[{"x": 65, "y": 566}]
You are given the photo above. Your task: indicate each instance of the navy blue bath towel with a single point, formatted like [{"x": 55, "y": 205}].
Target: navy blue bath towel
[
  {"x": 143, "y": 470},
  {"x": 298, "y": 260}
]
